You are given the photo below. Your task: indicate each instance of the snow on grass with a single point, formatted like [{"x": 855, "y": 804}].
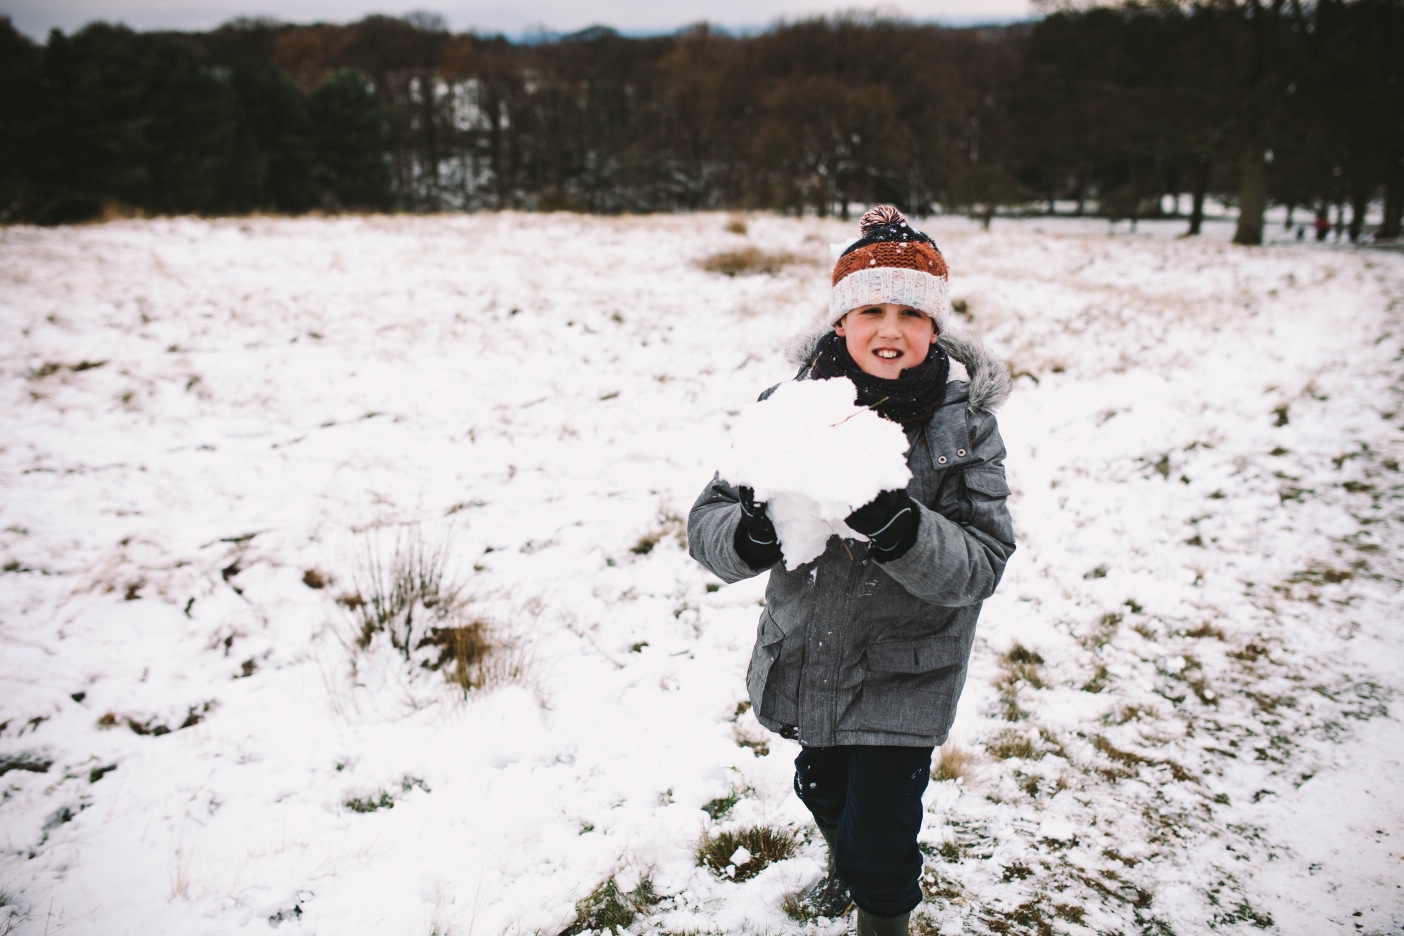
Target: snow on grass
[{"x": 218, "y": 435}]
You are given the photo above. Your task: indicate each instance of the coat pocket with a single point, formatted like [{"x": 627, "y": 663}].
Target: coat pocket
[
  {"x": 772, "y": 679},
  {"x": 987, "y": 481},
  {"x": 963, "y": 493},
  {"x": 911, "y": 686},
  {"x": 915, "y": 656}
]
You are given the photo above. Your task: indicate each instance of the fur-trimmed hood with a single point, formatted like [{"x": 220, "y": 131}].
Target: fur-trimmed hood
[{"x": 990, "y": 383}]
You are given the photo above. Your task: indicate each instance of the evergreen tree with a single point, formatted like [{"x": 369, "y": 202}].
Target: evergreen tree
[
  {"x": 273, "y": 161},
  {"x": 19, "y": 88},
  {"x": 349, "y": 144}
]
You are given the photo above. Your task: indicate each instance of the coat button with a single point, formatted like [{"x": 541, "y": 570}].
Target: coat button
[
  {"x": 940, "y": 459},
  {"x": 961, "y": 453}
]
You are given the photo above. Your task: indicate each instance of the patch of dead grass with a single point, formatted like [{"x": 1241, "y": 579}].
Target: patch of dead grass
[
  {"x": 763, "y": 846},
  {"x": 952, "y": 763},
  {"x": 749, "y": 260}
]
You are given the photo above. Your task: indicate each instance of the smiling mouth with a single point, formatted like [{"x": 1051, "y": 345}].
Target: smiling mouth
[{"x": 887, "y": 354}]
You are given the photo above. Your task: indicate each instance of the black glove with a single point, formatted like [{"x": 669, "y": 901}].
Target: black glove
[
  {"x": 756, "y": 541},
  {"x": 890, "y": 522}
]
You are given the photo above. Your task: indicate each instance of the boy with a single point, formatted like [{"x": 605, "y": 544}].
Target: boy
[{"x": 861, "y": 654}]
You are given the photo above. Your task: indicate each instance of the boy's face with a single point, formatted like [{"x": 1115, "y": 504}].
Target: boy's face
[{"x": 887, "y": 338}]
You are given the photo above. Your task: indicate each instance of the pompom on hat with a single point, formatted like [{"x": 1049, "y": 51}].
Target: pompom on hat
[{"x": 890, "y": 262}]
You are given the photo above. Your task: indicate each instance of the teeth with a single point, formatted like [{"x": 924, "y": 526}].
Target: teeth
[{"x": 887, "y": 354}]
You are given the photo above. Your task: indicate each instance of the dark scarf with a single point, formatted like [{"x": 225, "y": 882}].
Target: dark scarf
[{"x": 910, "y": 399}]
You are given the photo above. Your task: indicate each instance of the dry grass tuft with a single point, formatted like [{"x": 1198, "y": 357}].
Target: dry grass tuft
[
  {"x": 153, "y": 726},
  {"x": 669, "y": 524},
  {"x": 1020, "y": 669},
  {"x": 952, "y": 764},
  {"x": 1012, "y": 744},
  {"x": 748, "y": 260},
  {"x": 719, "y": 807},
  {"x": 764, "y": 844},
  {"x": 382, "y": 799},
  {"x": 798, "y": 909},
  {"x": 429, "y": 617},
  {"x": 609, "y": 908},
  {"x": 114, "y": 210},
  {"x": 1022, "y": 665},
  {"x": 388, "y": 595},
  {"x": 472, "y": 656}
]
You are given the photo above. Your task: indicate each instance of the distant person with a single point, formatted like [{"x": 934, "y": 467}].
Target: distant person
[
  {"x": 861, "y": 654},
  {"x": 1322, "y": 225}
]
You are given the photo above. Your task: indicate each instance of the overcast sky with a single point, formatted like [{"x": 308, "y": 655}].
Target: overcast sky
[{"x": 37, "y": 17}]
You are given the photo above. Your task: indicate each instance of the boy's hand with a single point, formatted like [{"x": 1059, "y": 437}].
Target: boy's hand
[
  {"x": 756, "y": 541},
  {"x": 890, "y": 522}
]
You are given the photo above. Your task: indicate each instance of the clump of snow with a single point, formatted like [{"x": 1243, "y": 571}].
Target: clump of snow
[
  {"x": 814, "y": 456},
  {"x": 1057, "y": 829},
  {"x": 837, "y": 249}
]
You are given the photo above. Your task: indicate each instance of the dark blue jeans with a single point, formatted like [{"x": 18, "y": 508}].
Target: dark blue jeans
[{"x": 872, "y": 796}]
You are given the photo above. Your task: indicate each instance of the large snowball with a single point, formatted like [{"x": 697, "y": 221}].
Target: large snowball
[{"x": 814, "y": 456}]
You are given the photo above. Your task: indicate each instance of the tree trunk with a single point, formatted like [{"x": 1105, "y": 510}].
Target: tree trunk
[
  {"x": 1359, "y": 203},
  {"x": 1393, "y": 204},
  {"x": 1199, "y": 188},
  {"x": 1252, "y": 199},
  {"x": 496, "y": 160}
]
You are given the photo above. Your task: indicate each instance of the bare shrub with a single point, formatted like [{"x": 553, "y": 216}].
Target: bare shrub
[
  {"x": 428, "y": 616},
  {"x": 389, "y": 595},
  {"x": 10, "y": 914}
]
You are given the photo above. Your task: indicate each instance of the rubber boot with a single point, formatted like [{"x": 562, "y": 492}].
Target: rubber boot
[
  {"x": 869, "y": 925},
  {"x": 828, "y": 897}
]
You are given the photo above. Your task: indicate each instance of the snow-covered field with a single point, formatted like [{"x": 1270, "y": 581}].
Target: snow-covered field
[{"x": 1184, "y": 712}]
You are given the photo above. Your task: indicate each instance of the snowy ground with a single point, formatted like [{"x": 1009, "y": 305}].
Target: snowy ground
[{"x": 1184, "y": 712}]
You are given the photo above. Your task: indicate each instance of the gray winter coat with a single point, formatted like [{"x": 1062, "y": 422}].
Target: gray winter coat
[{"x": 853, "y": 651}]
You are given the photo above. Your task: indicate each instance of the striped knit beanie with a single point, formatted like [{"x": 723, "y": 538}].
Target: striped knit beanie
[{"x": 890, "y": 262}]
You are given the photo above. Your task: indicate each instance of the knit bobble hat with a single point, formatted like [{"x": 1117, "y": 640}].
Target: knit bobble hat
[{"x": 890, "y": 262}]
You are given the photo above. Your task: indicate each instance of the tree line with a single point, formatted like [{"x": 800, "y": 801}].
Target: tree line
[{"x": 1116, "y": 109}]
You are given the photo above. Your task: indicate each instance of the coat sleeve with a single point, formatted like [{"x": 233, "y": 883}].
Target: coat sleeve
[
  {"x": 958, "y": 562},
  {"x": 711, "y": 532}
]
